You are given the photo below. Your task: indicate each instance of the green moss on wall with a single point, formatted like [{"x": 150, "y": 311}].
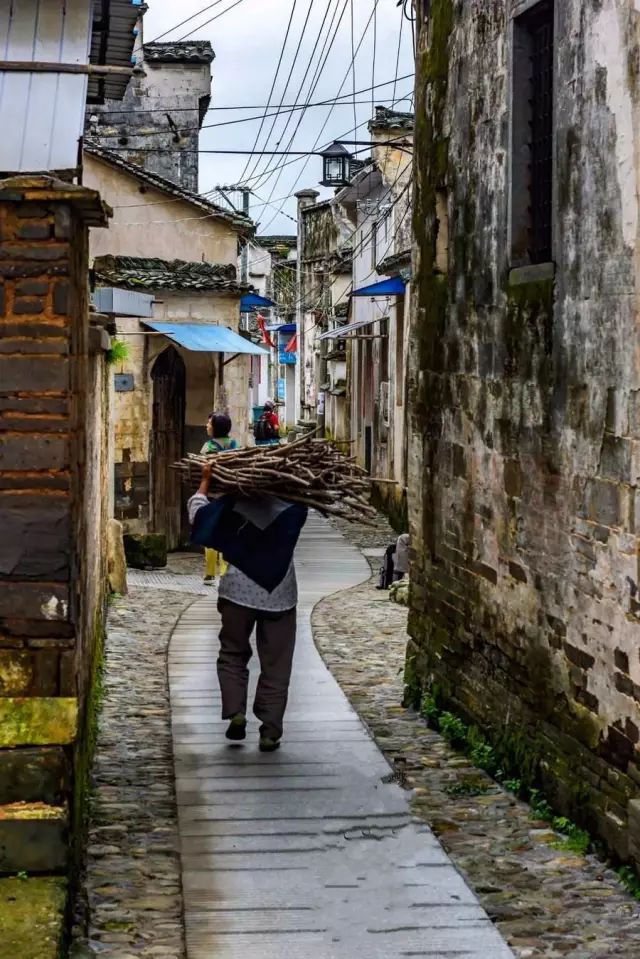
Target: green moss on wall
[
  {"x": 38, "y": 721},
  {"x": 32, "y": 913}
]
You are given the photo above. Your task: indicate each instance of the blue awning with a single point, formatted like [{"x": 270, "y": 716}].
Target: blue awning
[
  {"x": 281, "y": 327},
  {"x": 393, "y": 287},
  {"x": 206, "y": 338},
  {"x": 251, "y": 301}
]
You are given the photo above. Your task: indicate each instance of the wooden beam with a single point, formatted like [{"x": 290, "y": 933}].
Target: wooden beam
[{"x": 39, "y": 66}]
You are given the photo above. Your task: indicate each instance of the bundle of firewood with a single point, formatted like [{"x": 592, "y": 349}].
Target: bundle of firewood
[{"x": 311, "y": 471}]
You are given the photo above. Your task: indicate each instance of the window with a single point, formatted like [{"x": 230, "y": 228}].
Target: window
[{"x": 532, "y": 140}]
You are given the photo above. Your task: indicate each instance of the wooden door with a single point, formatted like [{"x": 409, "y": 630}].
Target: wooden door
[{"x": 167, "y": 444}]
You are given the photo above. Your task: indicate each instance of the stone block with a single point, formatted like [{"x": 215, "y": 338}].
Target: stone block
[
  {"x": 513, "y": 478},
  {"x": 615, "y": 460},
  {"x": 33, "y": 913},
  {"x": 38, "y": 721},
  {"x": 27, "y": 452},
  {"x": 32, "y": 288},
  {"x": 603, "y": 503},
  {"x": 61, "y": 298},
  {"x": 34, "y": 231},
  {"x": 33, "y": 838},
  {"x": 36, "y": 602},
  {"x": 36, "y": 540},
  {"x": 33, "y": 374},
  {"x": 34, "y": 775},
  {"x": 28, "y": 673},
  {"x": 28, "y": 305},
  {"x": 145, "y": 551},
  {"x": 39, "y": 252},
  {"x": 116, "y": 558}
]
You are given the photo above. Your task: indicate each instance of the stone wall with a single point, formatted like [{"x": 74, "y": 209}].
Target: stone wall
[
  {"x": 525, "y": 406},
  {"x": 52, "y": 507}
]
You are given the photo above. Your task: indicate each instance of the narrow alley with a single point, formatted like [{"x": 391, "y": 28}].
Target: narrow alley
[
  {"x": 311, "y": 852},
  {"x": 202, "y": 849},
  {"x": 319, "y": 353}
]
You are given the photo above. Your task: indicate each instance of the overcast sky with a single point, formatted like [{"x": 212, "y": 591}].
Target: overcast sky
[{"x": 247, "y": 42}]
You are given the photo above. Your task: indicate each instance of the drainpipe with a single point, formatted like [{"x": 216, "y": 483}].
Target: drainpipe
[{"x": 305, "y": 199}]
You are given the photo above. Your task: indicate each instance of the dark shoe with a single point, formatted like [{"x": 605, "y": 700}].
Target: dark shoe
[
  {"x": 237, "y": 728},
  {"x": 268, "y": 745},
  {"x": 209, "y": 581}
]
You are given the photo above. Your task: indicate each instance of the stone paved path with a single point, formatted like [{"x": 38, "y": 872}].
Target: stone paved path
[
  {"x": 547, "y": 902},
  {"x": 130, "y": 902},
  {"x": 312, "y": 851}
]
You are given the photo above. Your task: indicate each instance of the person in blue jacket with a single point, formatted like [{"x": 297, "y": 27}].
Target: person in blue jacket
[{"x": 259, "y": 589}]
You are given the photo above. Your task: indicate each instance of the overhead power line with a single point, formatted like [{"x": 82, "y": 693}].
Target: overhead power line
[
  {"x": 207, "y": 22},
  {"x": 327, "y": 118},
  {"x": 262, "y": 153},
  {"x": 363, "y": 146},
  {"x": 188, "y": 20},
  {"x": 273, "y": 85},
  {"x": 260, "y": 106},
  {"x": 322, "y": 60}
]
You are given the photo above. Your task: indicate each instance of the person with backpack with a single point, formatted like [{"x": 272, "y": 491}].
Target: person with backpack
[
  {"x": 267, "y": 428},
  {"x": 219, "y": 441},
  {"x": 258, "y": 536}
]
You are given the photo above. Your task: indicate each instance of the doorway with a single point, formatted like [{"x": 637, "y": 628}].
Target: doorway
[{"x": 167, "y": 445}]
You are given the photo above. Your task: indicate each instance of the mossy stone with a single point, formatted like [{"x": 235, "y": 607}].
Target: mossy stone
[
  {"x": 38, "y": 721},
  {"x": 32, "y": 915},
  {"x": 146, "y": 551}
]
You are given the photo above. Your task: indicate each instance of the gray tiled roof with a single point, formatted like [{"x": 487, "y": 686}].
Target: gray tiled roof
[
  {"x": 152, "y": 273},
  {"x": 242, "y": 223},
  {"x": 190, "y": 51},
  {"x": 387, "y": 119}
]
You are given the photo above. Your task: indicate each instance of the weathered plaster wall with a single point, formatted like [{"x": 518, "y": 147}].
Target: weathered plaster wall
[
  {"x": 147, "y": 222},
  {"x": 143, "y": 134},
  {"x": 204, "y": 393},
  {"x": 525, "y": 409}
]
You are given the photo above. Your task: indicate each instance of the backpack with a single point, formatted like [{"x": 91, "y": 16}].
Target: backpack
[
  {"x": 215, "y": 446},
  {"x": 264, "y": 430},
  {"x": 386, "y": 570}
]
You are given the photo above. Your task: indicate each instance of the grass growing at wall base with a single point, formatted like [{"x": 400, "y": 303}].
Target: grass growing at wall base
[{"x": 471, "y": 741}]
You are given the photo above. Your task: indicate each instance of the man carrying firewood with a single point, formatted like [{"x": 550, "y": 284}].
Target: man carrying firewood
[{"x": 257, "y": 536}]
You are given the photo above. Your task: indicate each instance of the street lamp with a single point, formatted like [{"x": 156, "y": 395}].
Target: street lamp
[{"x": 336, "y": 166}]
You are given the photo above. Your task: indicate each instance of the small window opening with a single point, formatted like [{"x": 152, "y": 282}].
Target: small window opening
[{"x": 533, "y": 129}]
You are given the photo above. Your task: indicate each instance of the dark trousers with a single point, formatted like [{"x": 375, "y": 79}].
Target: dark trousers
[{"x": 275, "y": 641}]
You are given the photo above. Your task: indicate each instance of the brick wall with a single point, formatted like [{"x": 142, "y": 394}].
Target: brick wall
[
  {"x": 524, "y": 391},
  {"x": 52, "y": 481}
]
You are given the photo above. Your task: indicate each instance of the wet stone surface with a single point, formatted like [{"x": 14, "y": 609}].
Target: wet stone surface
[
  {"x": 547, "y": 903},
  {"x": 131, "y": 901}
]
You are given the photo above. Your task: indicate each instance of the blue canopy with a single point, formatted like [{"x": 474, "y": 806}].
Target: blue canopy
[
  {"x": 251, "y": 301},
  {"x": 206, "y": 338},
  {"x": 393, "y": 287},
  {"x": 281, "y": 327}
]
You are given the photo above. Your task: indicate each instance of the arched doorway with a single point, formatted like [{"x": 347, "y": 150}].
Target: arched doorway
[{"x": 167, "y": 443}]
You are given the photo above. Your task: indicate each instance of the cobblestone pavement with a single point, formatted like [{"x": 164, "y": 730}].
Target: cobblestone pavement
[
  {"x": 131, "y": 902},
  {"x": 547, "y": 903}
]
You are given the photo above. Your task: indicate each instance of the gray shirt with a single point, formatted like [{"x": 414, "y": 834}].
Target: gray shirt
[{"x": 235, "y": 586}]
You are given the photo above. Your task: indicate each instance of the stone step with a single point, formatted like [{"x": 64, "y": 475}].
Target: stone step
[{"x": 33, "y": 838}]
